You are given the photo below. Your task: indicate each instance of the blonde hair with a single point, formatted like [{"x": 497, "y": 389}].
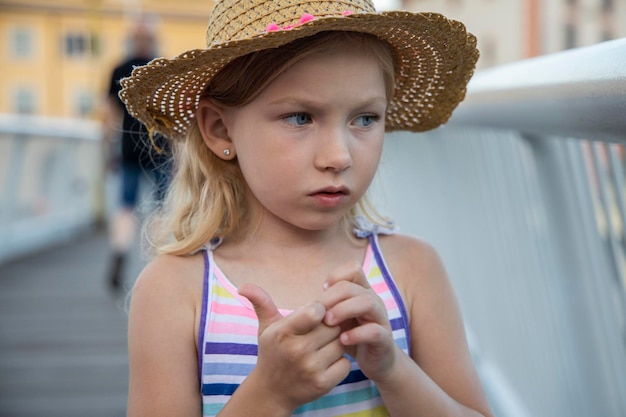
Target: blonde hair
[{"x": 207, "y": 198}]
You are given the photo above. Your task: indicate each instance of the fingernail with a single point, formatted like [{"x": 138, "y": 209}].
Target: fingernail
[
  {"x": 329, "y": 318},
  {"x": 320, "y": 310},
  {"x": 325, "y": 286}
]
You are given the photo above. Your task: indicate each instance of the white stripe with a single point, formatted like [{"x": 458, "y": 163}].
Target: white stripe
[
  {"x": 244, "y": 359},
  {"x": 229, "y": 318},
  {"x": 231, "y": 338}
]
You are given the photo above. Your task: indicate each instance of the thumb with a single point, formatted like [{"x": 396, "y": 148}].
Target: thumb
[{"x": 266, "y": 311}]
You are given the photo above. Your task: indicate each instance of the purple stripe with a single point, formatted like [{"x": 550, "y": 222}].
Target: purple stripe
[
  {"x": 219, "y": 389},
  {"x": 229, "y": 389},
  {"x": 404, "y": 322},
  {"x": 230, "y": 349},
  {"x": 397, "y": 323},
  {"x": 205, "y": 297},
  {"x": 354, "y": 376}
]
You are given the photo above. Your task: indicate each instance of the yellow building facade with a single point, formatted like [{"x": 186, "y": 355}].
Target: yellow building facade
[{"x": 57, "y": 55}]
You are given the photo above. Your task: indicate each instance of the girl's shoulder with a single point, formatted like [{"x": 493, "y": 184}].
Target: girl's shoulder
[
  {"x": 405, "y": 252},
  {"x": 165, "y": 267},
  {"x": 163, "y": 323},
  {"x": 174, "y": 278},
  {"x": 415, "y": 265},
  {"x": 409, "y": 258}
]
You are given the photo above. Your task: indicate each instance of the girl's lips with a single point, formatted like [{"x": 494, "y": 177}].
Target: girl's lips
[
  {"x": 332, "y": 190},
  {"x": 330, "y": 197}
]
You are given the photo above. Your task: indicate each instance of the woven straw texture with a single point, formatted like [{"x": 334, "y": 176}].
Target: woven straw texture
[{"x": 434, "y": 59}]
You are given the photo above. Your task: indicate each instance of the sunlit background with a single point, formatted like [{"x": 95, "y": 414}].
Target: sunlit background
[
  {"x": 57, "y": 54},
  {"x": 523, "y": 193}
]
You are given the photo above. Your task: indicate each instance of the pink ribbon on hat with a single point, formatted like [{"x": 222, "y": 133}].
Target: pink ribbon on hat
[{"x": 273, "y": 27}]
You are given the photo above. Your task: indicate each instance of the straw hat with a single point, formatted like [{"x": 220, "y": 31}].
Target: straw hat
[{"x": 434, "y": 59}]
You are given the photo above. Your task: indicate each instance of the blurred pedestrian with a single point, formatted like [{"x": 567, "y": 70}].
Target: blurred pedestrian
[{"x": 131, "y": 153}]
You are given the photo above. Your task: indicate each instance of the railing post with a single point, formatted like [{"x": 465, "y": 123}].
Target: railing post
[
  {"x": 587, "y": 268},
  {"x": 12, "y": 179}
]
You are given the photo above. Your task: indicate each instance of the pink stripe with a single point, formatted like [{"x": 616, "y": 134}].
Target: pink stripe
[
  {"x": 380, "y": 288},
  {"x": 240, "y": 310},
  {"x": 390, "y": 303},
  {"x": 383, "y": 292},
  {"x": 232, "y": 328}
]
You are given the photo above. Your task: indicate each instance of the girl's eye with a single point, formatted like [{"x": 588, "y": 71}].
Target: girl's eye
[
  {"x": 366, "y": 120},
  {"x": 298, "y": 119}
]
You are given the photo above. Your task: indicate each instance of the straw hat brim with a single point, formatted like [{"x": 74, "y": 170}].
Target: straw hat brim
[{"x": 434, "y": 58}]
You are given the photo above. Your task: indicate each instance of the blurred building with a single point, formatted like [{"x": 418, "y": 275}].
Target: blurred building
[
  {"x": 510, "y": 30},
  {"x": 57, "y": 55}
]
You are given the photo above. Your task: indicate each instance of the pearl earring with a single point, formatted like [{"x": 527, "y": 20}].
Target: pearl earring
[{"x": 226, "y": 152}]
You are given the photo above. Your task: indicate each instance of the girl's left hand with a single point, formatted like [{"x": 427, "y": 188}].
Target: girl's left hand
[{"x": 352, "y": 303}]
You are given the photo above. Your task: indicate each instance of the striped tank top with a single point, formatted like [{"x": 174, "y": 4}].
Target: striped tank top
[{"x": 227, "y": 345}]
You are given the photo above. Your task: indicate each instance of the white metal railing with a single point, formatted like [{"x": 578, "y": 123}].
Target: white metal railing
[
  {"x": 522, "y": 193},
  {"x": 50, "y": 177},
  {"x": 578, "y": 93}
]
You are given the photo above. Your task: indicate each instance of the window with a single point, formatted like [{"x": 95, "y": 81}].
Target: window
[
  {"x": 75, "y": 44},
  {"x": 94, "y": 44},
  {"x": 22, "y": 42},
  {"x": 570, "y": 29},
  {"x": 607, "y": 13},
  {"x": 571, "y": 36},
  {"x": 78, "y": 44},
  {"x": 24, "y": 101},
  {"x": 84, "y": 103}
]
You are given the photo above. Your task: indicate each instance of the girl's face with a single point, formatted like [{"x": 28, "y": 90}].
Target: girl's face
[{"x": 310, "y": 143}]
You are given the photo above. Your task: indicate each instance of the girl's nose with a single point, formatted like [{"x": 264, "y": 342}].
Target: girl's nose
[{"x": 333, "y": 152}]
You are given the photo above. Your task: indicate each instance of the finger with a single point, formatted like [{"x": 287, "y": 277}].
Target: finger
[
  {"x": 371, "y": 334},
  {"x": 306, "y": 318},
  {"x": 364, "y": 308},
  {"x": 329, "y": 353},
  {"x": 339, "y": 370},
  {"x": 341, "y": 291},
  {"x": 322, "y": 335},
  {"x": 264, "y": 307},
  {"x": 351, "y": 272}
]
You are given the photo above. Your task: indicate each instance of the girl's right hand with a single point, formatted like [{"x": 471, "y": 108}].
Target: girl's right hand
[{"x": 300, "y": 358}]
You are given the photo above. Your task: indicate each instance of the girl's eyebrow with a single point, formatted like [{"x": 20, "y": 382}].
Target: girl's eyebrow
[{"x": 311, "y": 103}]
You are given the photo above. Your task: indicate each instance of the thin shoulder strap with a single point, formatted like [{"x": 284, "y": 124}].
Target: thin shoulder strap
[
  {"x": 384, "y": 270},
  {"x": 205, "y": 299}
]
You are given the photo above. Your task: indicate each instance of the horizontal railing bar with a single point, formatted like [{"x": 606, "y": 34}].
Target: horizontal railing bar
[
  {"x": 577, "y": 93},
  {"x": 53, "y": 127}
]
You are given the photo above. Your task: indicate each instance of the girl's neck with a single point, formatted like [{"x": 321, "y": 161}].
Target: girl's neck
[
  {"x": 291, "y": 267},
  {"x": 287, "y": 239}
]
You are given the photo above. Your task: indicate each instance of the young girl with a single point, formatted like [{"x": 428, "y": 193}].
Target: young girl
[{"x": 278, "y": 290}]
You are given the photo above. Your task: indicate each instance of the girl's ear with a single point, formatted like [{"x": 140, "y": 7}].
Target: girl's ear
[{"x": 214, "y": 130}]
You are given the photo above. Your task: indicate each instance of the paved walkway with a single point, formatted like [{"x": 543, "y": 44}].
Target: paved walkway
[{"x": 62, "y": 334}]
